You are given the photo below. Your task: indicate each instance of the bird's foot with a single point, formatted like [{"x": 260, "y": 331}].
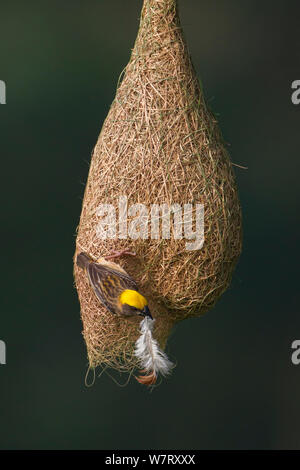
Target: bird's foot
[{"x": 118, "y": 254}]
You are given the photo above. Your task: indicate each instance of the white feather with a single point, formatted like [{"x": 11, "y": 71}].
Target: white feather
[{"x": 147, "y": 350}]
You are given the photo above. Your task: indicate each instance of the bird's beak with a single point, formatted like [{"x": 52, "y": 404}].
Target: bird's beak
[{"x": 146, "y": 312}]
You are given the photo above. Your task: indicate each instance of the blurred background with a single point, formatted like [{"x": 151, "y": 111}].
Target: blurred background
[{"x": 235, "y": 386}]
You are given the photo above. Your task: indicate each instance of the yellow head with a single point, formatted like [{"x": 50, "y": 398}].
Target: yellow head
[{"x": 134, "y": 303}]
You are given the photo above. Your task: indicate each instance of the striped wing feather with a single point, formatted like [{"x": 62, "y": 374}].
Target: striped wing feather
[{"x": 108, "y": 285}]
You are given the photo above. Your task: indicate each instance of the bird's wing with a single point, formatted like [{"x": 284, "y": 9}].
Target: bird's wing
[{"x": 108, "y": 284}]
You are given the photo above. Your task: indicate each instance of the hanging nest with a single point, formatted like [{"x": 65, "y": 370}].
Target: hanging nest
[{"x": 159, "y": 145}]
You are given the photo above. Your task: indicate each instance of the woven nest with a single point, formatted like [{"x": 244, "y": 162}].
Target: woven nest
[{"x": 159, "y": 145}]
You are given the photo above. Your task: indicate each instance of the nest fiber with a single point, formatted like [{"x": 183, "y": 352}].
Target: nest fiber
[{"x": 159, "y": 145}]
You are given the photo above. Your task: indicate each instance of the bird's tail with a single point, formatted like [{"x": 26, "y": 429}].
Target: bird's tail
[{"x": 83, "y": 260}]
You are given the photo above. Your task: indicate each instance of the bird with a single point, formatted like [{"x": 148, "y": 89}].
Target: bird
[
  {"x": 113, "y": 286},
  {"x": 119, "y": 293}
]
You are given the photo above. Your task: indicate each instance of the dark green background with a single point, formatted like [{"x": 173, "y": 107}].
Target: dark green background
[{"x": 234, "y": 386}]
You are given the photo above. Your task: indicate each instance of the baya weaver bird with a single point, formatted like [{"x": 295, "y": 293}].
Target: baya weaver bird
[
  {"x": 115, "y": 289},
  {"x": 118, "y": 292}
]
